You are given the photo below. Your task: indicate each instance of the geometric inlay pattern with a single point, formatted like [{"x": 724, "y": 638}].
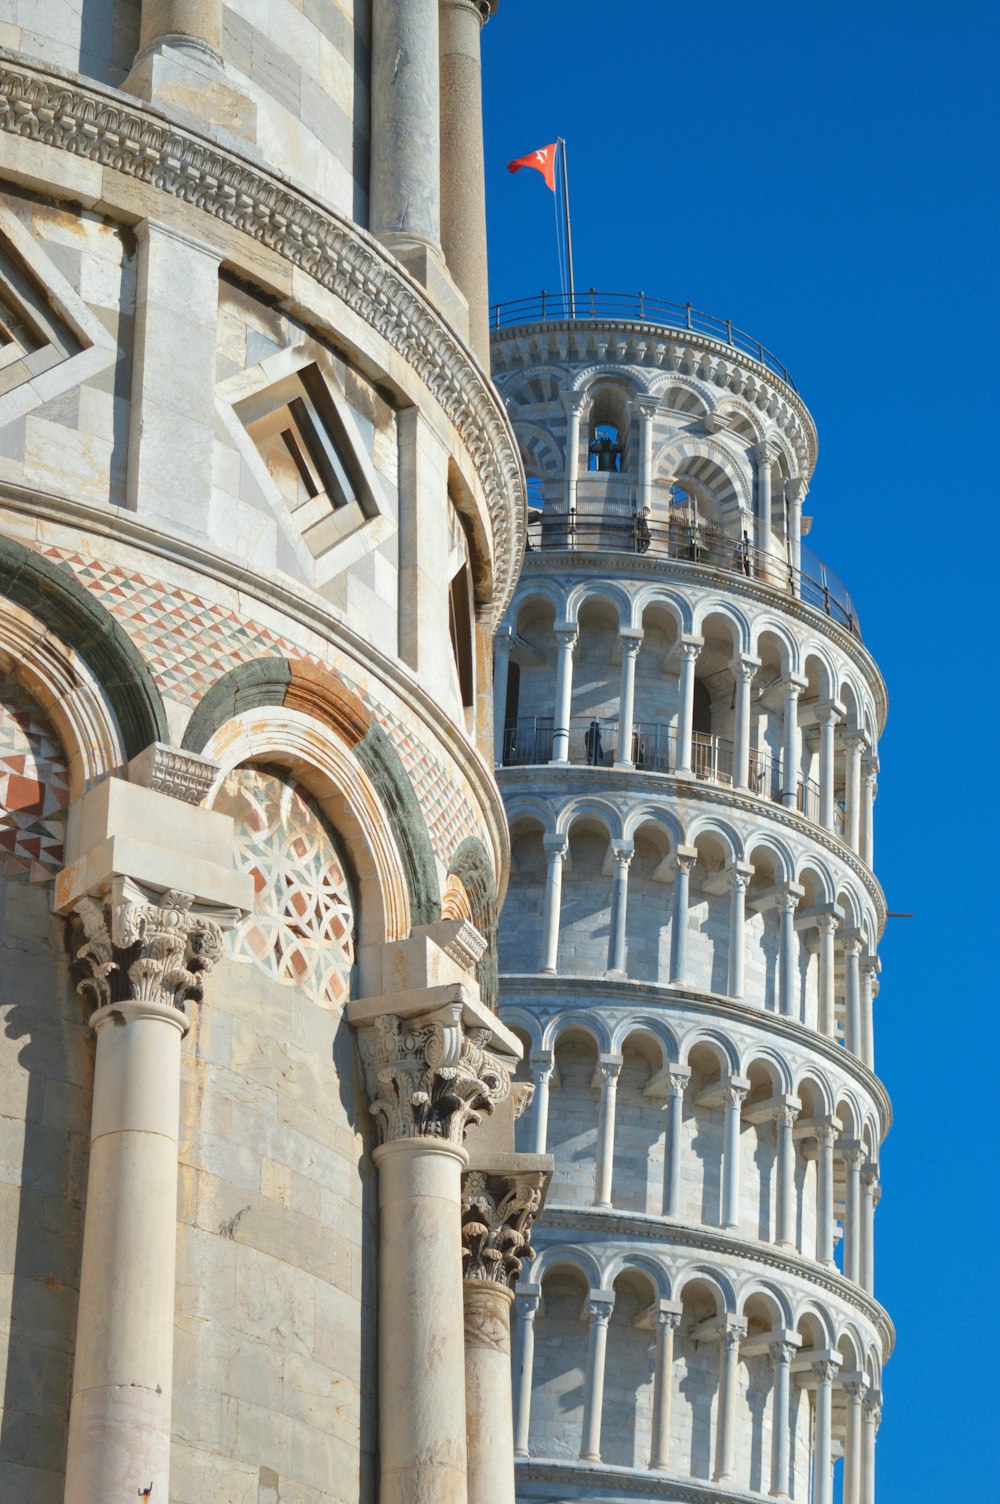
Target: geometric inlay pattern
[
  {"x": 34, "y": 788},
  {"x": 301, "y": 928}
]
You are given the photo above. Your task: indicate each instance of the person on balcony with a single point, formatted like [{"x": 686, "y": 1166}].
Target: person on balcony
[
  {"x": 592, "y": 741},
  {"x": 643, "y": 536}
]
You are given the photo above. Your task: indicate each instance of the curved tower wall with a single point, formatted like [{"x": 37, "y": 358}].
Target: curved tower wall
[
  {"x": 686, "y": 726},
  {"x": 260, "y": 513}
]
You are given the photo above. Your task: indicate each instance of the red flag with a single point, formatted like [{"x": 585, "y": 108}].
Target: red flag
[{"x": 543, "y": 161}]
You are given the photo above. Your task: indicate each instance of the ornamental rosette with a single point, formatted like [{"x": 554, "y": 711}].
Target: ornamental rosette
[
  {"x": 497, "y": 1216},
  {"x": 138, "y": 951},
  {"x": 430, "y": 1079}
]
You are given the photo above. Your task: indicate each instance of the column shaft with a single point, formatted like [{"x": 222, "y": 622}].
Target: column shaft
[
  {"x": 725, "y": 1442},
  {"x": 737, "y": 924},
  {"x": 421, "y": 1326},
  {"x": 675, "y": 1122},
  {"x": 852, "y": 1214},
  {"x": 463, "y": 191},
  {"x": 781, "y": 1357},
  {"x": 678, "y": 929},
  {"x": 540, "y": 1108},
  {"x": 406, "y": 111},
  {"x": 741, "y": 727},
  {"x": 853, "y": 1443},
  {"x": 788, "y": 955},
  {"x": 685, "y": 705},
  {"x": 663, "y": 1388},
  {"x": 564, "y": 695},
  {"x": 182, "y": 22},
  {"x": 872, "y": 1416},
  {"x": 593, "y": 1398},
  {"x": 827, "y": 926},
  {"x": 762, "y": 455},
  {"x": 827, "y": 754},
  {"x": 555, "y": 855},
  {"x": 823, "y": 1439},
  {"x": 626, "y": 703},
  {"x": 869, "y": 1185},
  {"x": 619, "y": 912},
  {"x": 852, "y": 790},
  {"x": 573, "y": 405},
  {"x": 501, "y": 678},
  {"x": 869, "y": 975},
  {"x": 869, "y": 773},
  {"x": 488, "y": 1405},
  {"x": 525, "y": 1370},
  {"x": 824, "y": 1196},
  {"x": 790, "y": 747},
  {"x": 605, "y": 1134},
  {"x": 852, "y": 995},
  {"x": 731, "y": 1159},
  {"x": 784, "y": 1232}
]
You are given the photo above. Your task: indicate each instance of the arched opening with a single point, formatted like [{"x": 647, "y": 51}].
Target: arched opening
[
  {"x": 629, "y": 1372},
  {"x": 696, "y": 1350},
  {"x": 762, "y": 935},
  {"x": 586, "y": 901},
  {"x": 708, "y": 915},
  {"x": 573, "y": 1119},
  {"x": 703, "y": 1136},
  {"x": 759, "y": 1146},
  {"x": 527, "y": 710},
  {"x": 640, "y": 1128},
  {"x": 560, "y": 1365},
  {"x": 656, "y": 684},
  {"x": 593, "y": 732},
  {"x": 521, "y": 930},
  {"x": 648, "y": 917}
]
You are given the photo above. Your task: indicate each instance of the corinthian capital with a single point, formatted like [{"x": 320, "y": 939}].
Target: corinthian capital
[
  {"x": 140, "y": 950},
  {"x": 432, "y": 1076},
  {"x": 498, "y": 1212}
]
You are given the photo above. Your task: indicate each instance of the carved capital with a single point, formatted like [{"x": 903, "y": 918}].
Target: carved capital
[
  {"x": 599, "y": 1311},
  {"x": 825, "y": 1370},
  {"x": 430, "y": 1077},
  {"x": 782, "y": 1352},
  {"x": 139, "y": 950},
  {"x": 497, "y": 1216},
  {"x": 733, "y": 1096},
  {"x": 731, "y": 1335},
  {"x": 855, "y": 1388},
  {"x": 869, "y": 1178},
  {"x": 667, "y": 1320}
]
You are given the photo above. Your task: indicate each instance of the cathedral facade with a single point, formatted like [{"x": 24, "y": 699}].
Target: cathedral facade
[{"x": 261, "y": 511}]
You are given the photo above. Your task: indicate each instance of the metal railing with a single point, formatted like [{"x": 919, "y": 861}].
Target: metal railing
[
  {"x": 586, "y": 531},
  {"x": 632, "y": 308}
]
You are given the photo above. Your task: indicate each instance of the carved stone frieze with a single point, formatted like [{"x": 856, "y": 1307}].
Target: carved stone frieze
[
  {"x": 171, "y": 770},
  {"x": 430, "y": 1078},
  {"x": 99, "y": 126},
  {"x": 138, "y": 950},
  {"x": 498, "y": 1212}
]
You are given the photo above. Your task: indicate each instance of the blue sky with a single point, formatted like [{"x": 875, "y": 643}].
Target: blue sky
[{"x": 826, "y": 176}]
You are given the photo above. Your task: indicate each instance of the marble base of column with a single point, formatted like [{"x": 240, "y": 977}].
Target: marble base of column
[{"x": 488, "y": 1405}]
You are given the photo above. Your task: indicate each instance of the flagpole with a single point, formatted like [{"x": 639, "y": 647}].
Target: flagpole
[{"x": 569, "y": 232}]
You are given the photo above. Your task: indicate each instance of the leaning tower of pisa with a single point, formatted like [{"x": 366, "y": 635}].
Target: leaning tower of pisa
[{"x": 686, "y": 727}]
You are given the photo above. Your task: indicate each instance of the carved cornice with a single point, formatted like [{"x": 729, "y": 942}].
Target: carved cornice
[
  {"x": 169, "y": 770},
  {"x": 603, "y": 1480},
  {"x": 582, "y": 1222},
  {"x": 138, "y": 952},
  {"x": 498, "y": 1212},
  {"x": 431, "y": 1077},
  {"x": 101, "y": 126}
]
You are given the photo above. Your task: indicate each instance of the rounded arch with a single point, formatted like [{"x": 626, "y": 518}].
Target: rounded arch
[
  {"x": 781, "y": 858},
  {"x": 788, "y": 647},
  {"x": 707, "y": 463},
  {"x": 770, "y": 1297},
  {"x": 647, "y": 813},
  {"x": 816, "y": 878},
  {"x": 711, "y": 825},
  {"x": 578, "y": 1022},
  {"x": 772, "y": 1062},
  {"x": 680, "y": 392},
  {"x": 332, "y": 773},
  {"x": 814, "y": 1092},
  {"x": 590, "y": 593},
  {"x": 650, "y": 1026},
  {"x": 724, "y": 1050},
  {"x": 470, "y": 865},
  {"x": 533, "y": 387},
  {"x": 588, "y": 377},
  {"x": 538, "y": 596},
  {"x": 814, "y": 1322},
  {"x": 586, "y": 807},
  {"x": 523, "y": 1021},
  {"x": 51, "y": 594},
  {"x": 567, "y": 1256},
  {"x": 677, "y": 606},
  {"x": 728, "y": 612},
  {"x": 715, "y": 1279},
  {"x": 820, "y": 673},
  {"x": 524, "y": 810},
  {"x": 639, "y": 1263},
  {"x": 539, "y": 452}
]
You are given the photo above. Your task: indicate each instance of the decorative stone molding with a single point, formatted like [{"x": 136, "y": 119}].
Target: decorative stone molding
[
  {"x": 430, "y": 1077},
  {"x": 140, "y": 952},
  {"x": 498, "y": 1212},
  {"x": 99, "y": 126},
  {"x": 169, "y": 770}
]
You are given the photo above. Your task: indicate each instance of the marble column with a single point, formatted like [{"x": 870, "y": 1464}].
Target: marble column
[
  {"x": 667, "y": 1318},
  {"x": 689, "y": 650},
  {"x": 527, "y": 1310},
  {"x": 781, "y": 1354},
  {"x": 852, "y": 1155},
  {"x": 599, "y": 1307},
  {"x": 503, "y": 645},
  {"x": 684, "y": 860},
  {"x": 743, "y": 670},
  {"x": 790, "y": 744},
  {"x": 575, "y": 406},
  {"x": 463, "y": 188},
  {"x": 621, "y": 853},
  {"x": 826, "y": 924},
  {"x": 851, "y": 950},
  {"x": 825, "y": 1134},
  {"x": 732, "y": 1096},
  {"x": 542, "y": 1068},
  {"x": 870, "y": 968},
  {"x": 795, "y": 493},
  {"x": 630, "y": 643},
  {"x": 730, "y": 1337},
  {"x": 784, "y": 1230},
  {"x": 869, "y": 1200},
  {"x": 788, "y": 971},
  {"x": 497, "y": 1215},
  {"x": 764, "y": 454},
  {"x": 677, "y": 1081},
  {"x": 740, "y": 876},
  {"x": 854, "y": 742},
  {"x": 405, "y": 212},
  {"x": 646, "y": 409},
  {"x": 827, "y": 717},
  {"x": 873, "y": 1418},
  {"x": 606, "y": 1078},
  {"x": 556, "y": 852},
  {"x": 854, "y": 1387},
  {"x": 188, "y": 25},
  {"x": 823, "y": 1372},
  {"x": 145, "y": 960},
  {"x": 566, "y": 638},
  {"x": 869, "y": 783}
]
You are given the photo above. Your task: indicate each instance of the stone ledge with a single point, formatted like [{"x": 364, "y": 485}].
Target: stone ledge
[{"x": 605, "y": 1483}]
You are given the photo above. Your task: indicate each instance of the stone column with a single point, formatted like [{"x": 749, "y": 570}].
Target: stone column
[
  {"x": 873, "y": 1419},
  {"x": 605, "y": 1077},
  {"x": 179, "y": 63},
  {"x": 794, "y": 496},
  {"x": 824, "y": 1371},
  {"x": 621, "y": 853},
  {"x": 826, "y": 924},
  {"x": 463, "y": 188},
  {"x": 781, "y": 1354},
  {"x": 740, "y": 875},
  {"x": 850, "y": 943},
  {"x": 790, "y": 744},
  {"x": 667, "y": 1318},
  {"x": 733, "y": 1095},
  {"x": 503, "y": 645},
  {"x": 869, "y": 1200},
  {"x": 566, "y": 637},
  {"x": 145, "y": 960},
  {"x": 870, "y": 968},
  {"x": 497, "y": 1216},
  {"x": 853, "y": 1156},
  {"x": 853, "y": 743},
  {"x": 869, "y": 783},
  {"x": 689, "y": 650},
  {"x": 556, "y": 852},
  {"x": 785, "y": 1176},
  {"x": 677, "y": 1081},
  {"x": 684, "y": 859},
  {"x": 731, "y": 1335},
  {"x": 743, "y": 670},
  {"x": 541, "y": 1073},
  {"x": 527, "y": 1310},
  {"x": 428, "y": 1076},
  {"x": 825, "y": 1134},
  {"x": 630, "y": 643},
  {"x": 854, "y": 1387},
  {"x": 405, "y": 181},
  {"x": 599, "y": 1307},
  {"x": 788, "y": 972},
  {"x": 575, "y": 405},
  {"x": 645, "y": 409},
  {"x": 763, "y": 455},
  {"x": 827, "y": 717}
]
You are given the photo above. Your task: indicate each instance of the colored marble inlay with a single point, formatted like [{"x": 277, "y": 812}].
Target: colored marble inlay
[
  {"x": 34, "y": 788},
  {"x": 301, "y": 930}
]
